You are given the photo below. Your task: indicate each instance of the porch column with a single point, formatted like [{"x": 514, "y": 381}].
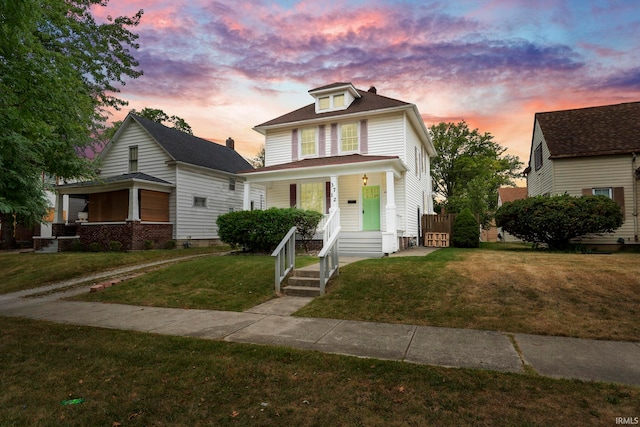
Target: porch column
[
  {"x": 334, "y": 193},
  {"x": 134, "y": 209},
  {"x": 390, "y": 235},
  {"x": 57, "y": 213},
  {"x": 246, "y": 202}
]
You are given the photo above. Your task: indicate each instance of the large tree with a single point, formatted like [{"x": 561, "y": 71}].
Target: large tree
[
  {"x": 469, "y": 168},
  {"x": 59, "y": 74}
]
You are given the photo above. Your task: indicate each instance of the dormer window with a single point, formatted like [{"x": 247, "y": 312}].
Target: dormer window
[
  {"x": 334, "y": 97},
  {"x": 324, "y": 103},
  {"x": 338, "y": 101}
]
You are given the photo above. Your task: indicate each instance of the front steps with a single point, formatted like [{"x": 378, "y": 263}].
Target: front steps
[
  {"x": 50, "y": 248},
  {"x": 304, "y": 282},
  {"x": 364, "y": 244}
]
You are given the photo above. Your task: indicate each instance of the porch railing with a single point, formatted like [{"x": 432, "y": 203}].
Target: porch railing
[
  {"x": 285, "y": 255},
  {"x": 329, "y": 256}
]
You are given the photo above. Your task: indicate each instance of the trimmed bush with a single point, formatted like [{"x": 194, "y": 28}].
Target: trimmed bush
[
  {"x": 148, "y": 244},
  {"x": 95, "y": 247},
  {"x": 76, "y": 246},
  {"x": 115, "y": 246},
  {"x": 171, "y": 244},
  {"x": 466, "y": 230},
  {"x": 554, "y": 221},
  {"x": 262, "y": 231}
]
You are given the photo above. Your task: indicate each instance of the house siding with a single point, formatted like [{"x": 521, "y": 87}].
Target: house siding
[
  {"x": 200, "y": 222},
  {"x": 416, "y": 183},
  {"x": 151, "y": 157},
  {"x": 278, "y": 147},
  {"x": 540, "y": 181},
  {"x": 386, "y": 135},
  {"x": 575, "y": 174}
]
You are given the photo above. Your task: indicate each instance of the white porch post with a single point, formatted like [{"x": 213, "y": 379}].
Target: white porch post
[
  {"x": 334, "y": 193},
  {"x": 246, "y": 202},
  {"x": 134, "y": 210},
  {"x": 57, "y": 215},
  {"x": 390, "y": 235}
]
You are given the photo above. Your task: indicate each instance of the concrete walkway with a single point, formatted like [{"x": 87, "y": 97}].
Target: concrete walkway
[{"x": 270, "y": 324}]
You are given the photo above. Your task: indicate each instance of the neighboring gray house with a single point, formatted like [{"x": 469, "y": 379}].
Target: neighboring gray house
[
  {"x": 157, "y": 184},
  {"x": 590, "y": 151}
]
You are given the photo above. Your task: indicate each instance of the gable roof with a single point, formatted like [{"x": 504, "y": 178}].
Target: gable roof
[
  {"x": 509, "y": 194},
  {"x": 367, "y": 101},
  {"x": 186, "y": 148},
  {"x": 593, "y": 131},
  {"x": 323, "y": 161}
]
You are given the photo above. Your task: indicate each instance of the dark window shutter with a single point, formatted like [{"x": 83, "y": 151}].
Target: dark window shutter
[
  {"x": 587, "y": 192},
  {"x": 294, "y": 145},
  {"x": 618, "y": 197},
  {"x": 327, "y": 195},
  {"x": 364, "y": 137},
  {"x": 334, "y": 139},
  {"x": 293, "y": 196}
]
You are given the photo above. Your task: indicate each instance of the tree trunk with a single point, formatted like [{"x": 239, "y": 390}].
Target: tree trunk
[{"x": 7, "y": 235}]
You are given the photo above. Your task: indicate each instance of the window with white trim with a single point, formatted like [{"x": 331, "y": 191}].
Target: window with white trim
[
  {"x": 232, "y": 184},
  {"x": 133, "y": 159},
  {"x": 338, "y": 101},
  {"x": 349, "y": 137},
  {"x": 324, "y": 103},
  {"x": 537, "y": 155},
  {"x": 308, "y": 145},
  {"x": 603, "y": 191},
  {"x": 312, "y": 196},
  {"x": 199, "y": 202}
]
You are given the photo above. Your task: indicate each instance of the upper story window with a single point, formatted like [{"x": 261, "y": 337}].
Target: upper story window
[
  {"x": 537, "y": 156},
  {"x": 133, "y": 159},
  {"x": 338, "y": 101},
  {"x": 349, "y": 137},
  {"x": 324, "y": 103},
  {"x": 308, "y": 146},
  {"x": 232, "y": 184}
]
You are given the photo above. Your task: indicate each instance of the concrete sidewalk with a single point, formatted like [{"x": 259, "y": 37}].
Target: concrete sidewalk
[{"x": 270, "y": 324}]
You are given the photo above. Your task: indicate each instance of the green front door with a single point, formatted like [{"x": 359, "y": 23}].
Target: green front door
[{"x": 371, "y": 208}]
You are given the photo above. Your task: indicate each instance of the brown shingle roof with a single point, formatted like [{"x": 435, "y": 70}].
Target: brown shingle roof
[
  {"x": 323, "y": 161},
  {"x": 367, "y": 102},
  {"x": 509, "y": 194},
  {"x": 593, "y": 131}
]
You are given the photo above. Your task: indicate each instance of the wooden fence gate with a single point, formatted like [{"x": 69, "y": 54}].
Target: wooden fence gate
[{"x": 437, "y": 230}]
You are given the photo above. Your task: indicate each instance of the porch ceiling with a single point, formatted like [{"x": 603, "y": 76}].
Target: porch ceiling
[{"x": 355, "y": 164}]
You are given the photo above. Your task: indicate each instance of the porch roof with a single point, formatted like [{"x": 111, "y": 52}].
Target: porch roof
[
  {"x": 325, "y": 166},
  {"x": 117, "y": 182}
]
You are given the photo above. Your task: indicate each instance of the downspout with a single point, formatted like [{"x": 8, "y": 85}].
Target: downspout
[{"x": 635, "y": 197}]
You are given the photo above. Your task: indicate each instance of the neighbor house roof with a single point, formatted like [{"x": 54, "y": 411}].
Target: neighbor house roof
[
  {"x": 139, "y": 176},
  {"x": 186, "y": 148},
  {"x": 593, "y": 131},
  {"x": 368, "y": 101},
  {"x": 509, "y": 194}
]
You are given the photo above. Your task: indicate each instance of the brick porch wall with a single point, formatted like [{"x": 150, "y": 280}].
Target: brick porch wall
[{"x": 131, "y": 235}]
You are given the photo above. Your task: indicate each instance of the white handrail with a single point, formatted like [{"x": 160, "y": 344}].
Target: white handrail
[
  {"x": 285, "y": 255},
  {"x": 331, "y": 224},
  {"x": 329, "y": 256}
]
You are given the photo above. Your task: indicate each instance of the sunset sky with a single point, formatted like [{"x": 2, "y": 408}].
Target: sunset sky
[{"x": 226, "y": 66}]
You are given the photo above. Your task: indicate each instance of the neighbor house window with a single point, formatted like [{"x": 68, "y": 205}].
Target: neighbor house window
[
  {"x": 312, "y": 196},
  {"x": 603, "y": 192},
  {"x": 232, "y": 184},
  {"x": 349, "y": 137},
  {"x": 338, "y": 101},
  {"x": 308, "y": 142},
  {"x": 323, "y": 103},
  {"x": 537, "y": 155},
  {"x": 133, "y": 159},
  {"x": 200, "y": 202}
]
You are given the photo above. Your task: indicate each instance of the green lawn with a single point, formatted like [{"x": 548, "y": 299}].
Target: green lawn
[
  {"x": 234, "y": 283},
  {"x": 138, "y": 379},
  {"x": 19, "y": 271}
]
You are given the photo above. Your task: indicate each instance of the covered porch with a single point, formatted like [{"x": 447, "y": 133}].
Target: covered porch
[
  {"x": 131, "y": 209},
  {"x": 363, "y": 191}
]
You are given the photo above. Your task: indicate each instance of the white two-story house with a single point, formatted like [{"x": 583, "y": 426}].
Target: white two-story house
[
  {"x": 156, "y": 184},
  {"x": 364, "y": 156}
]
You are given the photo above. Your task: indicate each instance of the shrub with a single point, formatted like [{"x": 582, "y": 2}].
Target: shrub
[
  {"x": 171, "y": 244},
  {"x": 95, "y": 247},
  {"x": 115, "y": 246},
  {"x": 556, "y": 220},
  {"x": 466, "y": 230},
  {"x": 76, "y": 246},
  {"x": 148, "y": 244},
  {"x": 263, "y": 230}
]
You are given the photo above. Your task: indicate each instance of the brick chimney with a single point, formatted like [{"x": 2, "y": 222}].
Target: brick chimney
[
  {"x": 230, "y": 143},
  {"x": 373, "y": 89}
]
